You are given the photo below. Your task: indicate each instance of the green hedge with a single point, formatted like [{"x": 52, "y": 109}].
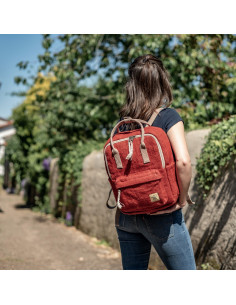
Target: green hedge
[{"x": 219, "y": 149}]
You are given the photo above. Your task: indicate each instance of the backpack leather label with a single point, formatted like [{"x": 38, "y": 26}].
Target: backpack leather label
[{"x": 154, "y": 197}]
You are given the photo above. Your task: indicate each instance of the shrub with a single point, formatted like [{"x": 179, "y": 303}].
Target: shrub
[{"x": 219, "y": 149}]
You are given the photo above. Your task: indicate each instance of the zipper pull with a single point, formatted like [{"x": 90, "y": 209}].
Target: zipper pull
[{"x": 131, "y": 149}]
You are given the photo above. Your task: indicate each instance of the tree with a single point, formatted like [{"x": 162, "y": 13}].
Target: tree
[
  {"x": 26, "y": 149},
  {"x": 202, "y": 72}
]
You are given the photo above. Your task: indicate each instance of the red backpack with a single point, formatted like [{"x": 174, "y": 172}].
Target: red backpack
[{"x": 141, "y": 168}]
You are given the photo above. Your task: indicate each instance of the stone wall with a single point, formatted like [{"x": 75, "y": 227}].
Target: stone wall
[
  {"x": 211, "y": 222},
  {"x": 96, "y": 219}
]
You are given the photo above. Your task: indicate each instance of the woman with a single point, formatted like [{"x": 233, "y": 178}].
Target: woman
[{"x": 148, "y": 89}]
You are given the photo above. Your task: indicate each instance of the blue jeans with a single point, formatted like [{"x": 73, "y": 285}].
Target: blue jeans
[{"x": 167, "y": 233}]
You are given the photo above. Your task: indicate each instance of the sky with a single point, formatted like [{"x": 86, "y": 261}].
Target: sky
[{"x": 13, "y": 49}]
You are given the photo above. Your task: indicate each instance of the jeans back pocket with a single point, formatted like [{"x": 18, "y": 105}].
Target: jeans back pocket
[{"x": 160, "y": 226}]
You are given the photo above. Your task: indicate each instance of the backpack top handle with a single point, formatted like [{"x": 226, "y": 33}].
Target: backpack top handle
[{"x": 143, "y": 149}]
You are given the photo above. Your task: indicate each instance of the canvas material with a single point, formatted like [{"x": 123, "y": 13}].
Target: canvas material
[{"x": 144, "y": 188}]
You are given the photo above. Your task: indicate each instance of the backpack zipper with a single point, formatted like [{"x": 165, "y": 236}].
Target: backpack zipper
[{"x": 137, "y": 136}]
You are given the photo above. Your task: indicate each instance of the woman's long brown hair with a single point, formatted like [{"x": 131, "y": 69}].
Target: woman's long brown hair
[{"x": 147, "y": 88}]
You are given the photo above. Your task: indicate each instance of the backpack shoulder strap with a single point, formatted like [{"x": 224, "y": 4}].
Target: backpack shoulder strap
[{"x": 154, "y": 115}]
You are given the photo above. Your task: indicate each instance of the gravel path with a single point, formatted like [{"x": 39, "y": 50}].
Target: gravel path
[{"x": 32, "y": 241}]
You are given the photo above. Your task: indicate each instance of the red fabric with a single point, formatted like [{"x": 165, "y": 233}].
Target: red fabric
[{"x": 136, "y": 180}]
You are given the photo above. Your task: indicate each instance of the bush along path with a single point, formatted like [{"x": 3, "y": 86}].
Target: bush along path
[{"x": 34, "y": 241}]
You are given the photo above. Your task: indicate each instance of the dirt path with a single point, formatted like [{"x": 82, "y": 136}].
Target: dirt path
[{"x": 31, "y": 241}]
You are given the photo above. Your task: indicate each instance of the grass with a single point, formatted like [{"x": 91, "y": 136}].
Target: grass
[{"x": 103, "y": 242}]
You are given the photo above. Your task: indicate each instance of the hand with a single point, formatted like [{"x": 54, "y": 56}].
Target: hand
[{"x": 182, "y": 203}]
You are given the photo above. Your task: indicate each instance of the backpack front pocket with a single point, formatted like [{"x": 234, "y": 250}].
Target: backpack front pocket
[{"x": 142, "y": 192}]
